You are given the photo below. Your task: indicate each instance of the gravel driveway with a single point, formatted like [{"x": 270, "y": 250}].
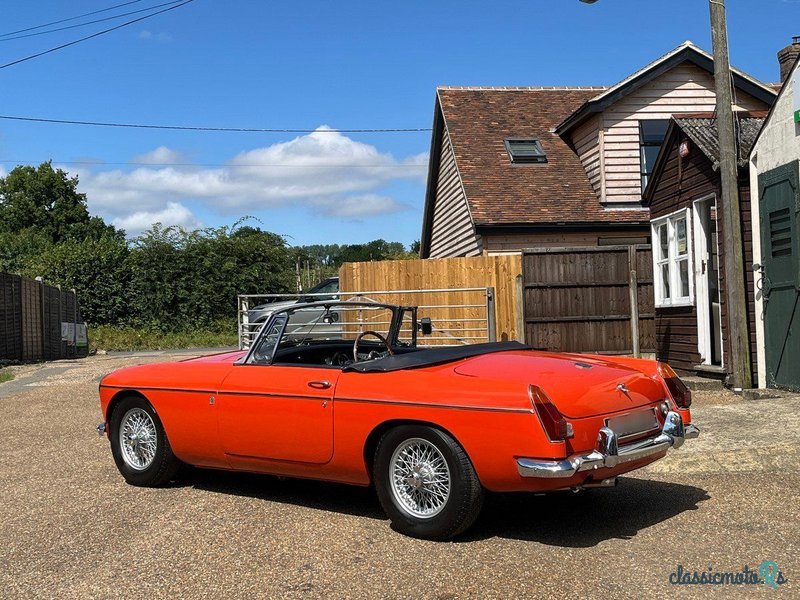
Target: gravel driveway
[{"x": 71, "y": 528}]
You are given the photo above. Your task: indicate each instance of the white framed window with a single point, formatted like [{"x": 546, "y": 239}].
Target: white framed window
[{"x": 672, "y": 260}]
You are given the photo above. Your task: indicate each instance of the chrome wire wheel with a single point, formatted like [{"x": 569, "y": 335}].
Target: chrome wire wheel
[
  {"x": 419, "y": 478},
  {"x": 138, "y": 439}
]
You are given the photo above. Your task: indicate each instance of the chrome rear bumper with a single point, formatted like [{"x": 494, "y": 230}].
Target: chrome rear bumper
[{"x": 608, "y": 454}]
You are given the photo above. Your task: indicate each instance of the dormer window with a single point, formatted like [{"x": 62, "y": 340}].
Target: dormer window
[{"x": 525, "y": 150}]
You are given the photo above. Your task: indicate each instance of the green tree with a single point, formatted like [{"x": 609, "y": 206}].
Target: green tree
[
  {"x": 95, "y": 268},
  {"x": 47, "y": 200}
]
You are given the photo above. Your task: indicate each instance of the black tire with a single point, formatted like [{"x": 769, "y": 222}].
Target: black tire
[
  {"x": 465, "y": 499},
  {"x": 164, "y": 465}
]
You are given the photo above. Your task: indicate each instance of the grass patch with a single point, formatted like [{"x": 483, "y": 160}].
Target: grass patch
[
  {"x": 6, "y": 376},
  {"x": 106, "y": 337}
]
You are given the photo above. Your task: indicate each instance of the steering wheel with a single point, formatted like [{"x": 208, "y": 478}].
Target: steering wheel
[{"x": 374, "y": 334}]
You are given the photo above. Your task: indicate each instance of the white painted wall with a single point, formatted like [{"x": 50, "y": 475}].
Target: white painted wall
[{"x": 778, "y": 144}]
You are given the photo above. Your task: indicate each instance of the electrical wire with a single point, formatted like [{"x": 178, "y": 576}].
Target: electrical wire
[
  {"x": 119, "y": 16},
  {"x": 216, "y": 129},
  {"x": 101, "y": 163},
  {"x": 89, "y": 14},
  {"x": 94, "y": 35}
]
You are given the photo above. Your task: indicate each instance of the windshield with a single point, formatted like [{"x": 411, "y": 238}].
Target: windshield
[{"x": 333, "y": 324}]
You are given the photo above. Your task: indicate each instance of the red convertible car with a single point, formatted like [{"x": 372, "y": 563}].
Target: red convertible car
[{"x": 356, "y": 401}]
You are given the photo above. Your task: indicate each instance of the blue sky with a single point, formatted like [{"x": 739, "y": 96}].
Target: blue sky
[{"x": 308, "y": 65}]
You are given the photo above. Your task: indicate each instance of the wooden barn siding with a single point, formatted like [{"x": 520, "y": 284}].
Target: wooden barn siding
[
  {"x": 586, "y": 141},
  {"x": 578, "y": 299},
  {"x": 676, "y": 328},
  {"x": 747, "y": 239},
  {"x": 497, "y": 244},
  {"x": 684, "y": 89},
  {"x": 499, "y": 272},
  {"x": 452, "y": 231}
]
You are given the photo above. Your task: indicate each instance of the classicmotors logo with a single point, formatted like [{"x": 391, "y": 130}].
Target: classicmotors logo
[{"x": 767, "y": 574}]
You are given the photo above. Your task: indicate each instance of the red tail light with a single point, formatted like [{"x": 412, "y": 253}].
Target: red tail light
[
  {"x": 677, "y": 389},
  {"x": 555, "y": 425}
]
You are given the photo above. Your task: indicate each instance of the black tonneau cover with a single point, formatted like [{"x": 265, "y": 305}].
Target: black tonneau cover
[{"x": 431, "y": 356}]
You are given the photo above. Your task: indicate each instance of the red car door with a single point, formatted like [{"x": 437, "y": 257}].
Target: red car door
[{"x": 278, "y": 412}]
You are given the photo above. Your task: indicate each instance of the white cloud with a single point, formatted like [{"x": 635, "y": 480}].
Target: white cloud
[
  {"x": 161, "y": 155},
  {"x": 173, "y": 214},
  {"x": 365, "y": 205},
  {"x": 160, "y": 36},
  {"x": 323, "y": 170}
]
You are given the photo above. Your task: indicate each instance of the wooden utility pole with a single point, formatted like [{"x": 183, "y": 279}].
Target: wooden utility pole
[{"x": 735, "y": 293}]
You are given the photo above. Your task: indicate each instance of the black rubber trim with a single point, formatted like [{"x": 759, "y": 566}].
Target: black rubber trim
[{"x": 431, "y": 356}]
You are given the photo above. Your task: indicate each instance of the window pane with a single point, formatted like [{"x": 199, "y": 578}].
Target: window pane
[
  {"x": 652, "y": 131},
  {"x": 683, "y": 270},
  {"x": 663, "y": 242},
  {"x": 649, "y": 155},
  {"x": 680, "y": 236},
  {"x": 266, "y": 346},
  {"x": 665, "y": 291},
  {"x": 525, "y": 150}
]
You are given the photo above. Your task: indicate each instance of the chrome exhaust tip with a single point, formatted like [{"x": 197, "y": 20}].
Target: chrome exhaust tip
[{"x": 610, "y": 482}]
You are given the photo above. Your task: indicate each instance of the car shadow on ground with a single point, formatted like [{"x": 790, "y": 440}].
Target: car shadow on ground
[
  {"x": 587, "y": 518},
  {"x": 558, "y": 519}
]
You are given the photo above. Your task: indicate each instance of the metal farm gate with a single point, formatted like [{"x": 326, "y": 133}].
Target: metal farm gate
[
  {"x": 39, "y": 321},
  {"x": 459, "y": 315},
  {"x": 589, "y": 299}
]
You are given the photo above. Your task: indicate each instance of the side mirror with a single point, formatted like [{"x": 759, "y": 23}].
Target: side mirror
[{"x": 425, "y": 326}]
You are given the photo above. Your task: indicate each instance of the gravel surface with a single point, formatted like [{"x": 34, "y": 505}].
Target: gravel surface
[{"x": 71, "y": 528}]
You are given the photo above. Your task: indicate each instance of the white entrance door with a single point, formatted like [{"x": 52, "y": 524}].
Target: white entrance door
[{"x": 706, "y": 274}]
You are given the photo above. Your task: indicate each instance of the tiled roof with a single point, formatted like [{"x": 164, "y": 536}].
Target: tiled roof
[
  {"x": 501, "y": 193},
  {"x": 703, "y": 132}
]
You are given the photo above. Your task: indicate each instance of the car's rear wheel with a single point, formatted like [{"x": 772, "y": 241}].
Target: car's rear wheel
[
  {"x": 426, "y": 482},
  {"x": 139, "y": 444}
]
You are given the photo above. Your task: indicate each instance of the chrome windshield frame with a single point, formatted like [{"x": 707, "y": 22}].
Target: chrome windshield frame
[{"x": 392, "y": 337}]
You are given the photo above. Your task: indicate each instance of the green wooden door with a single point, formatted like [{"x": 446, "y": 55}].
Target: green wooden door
[{"x": 780, "y": 249}]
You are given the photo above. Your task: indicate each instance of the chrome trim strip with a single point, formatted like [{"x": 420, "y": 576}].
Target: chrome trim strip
[
  {"x": 157, "y": 389},
  {"x": 219, "y": 393},
  {"x": 607, "y": 452},
  {"x": 428, "y": 405}
]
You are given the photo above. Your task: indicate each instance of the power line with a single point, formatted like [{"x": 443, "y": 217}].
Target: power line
[
  {"x": 101, "y": 163},
  {"x": 94, "y": 35},
  {"x": 111, "y": 18},
  {"x": 89, "y": 14},
  {"x": 217, "y": 129}
]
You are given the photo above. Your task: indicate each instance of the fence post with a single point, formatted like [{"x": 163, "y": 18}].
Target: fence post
[
  {"x": 491, "y": 321},
  {"x": 520, "y": 309},
  {"x": 633, "y": 286},
  {"x": 43, "y": 328},
  {"x": 243, "y": 319}
]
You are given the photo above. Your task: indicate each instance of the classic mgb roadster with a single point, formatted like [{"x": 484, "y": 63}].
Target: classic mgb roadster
[{"x": 348, "y": 396}]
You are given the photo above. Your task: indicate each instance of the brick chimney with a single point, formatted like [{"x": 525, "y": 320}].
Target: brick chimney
[{"x": 787, "y": 57}]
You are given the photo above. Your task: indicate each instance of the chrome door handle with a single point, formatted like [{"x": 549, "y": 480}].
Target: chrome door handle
[{"x": 319, "y": 385}]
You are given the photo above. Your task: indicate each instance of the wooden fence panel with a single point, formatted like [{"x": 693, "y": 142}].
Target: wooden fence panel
[
  {"x": 31, "y": 318},
  {"x": 10, "y": 317},
  {"x": 499, "y": 272},
  {"x": 579, "y": 299}
]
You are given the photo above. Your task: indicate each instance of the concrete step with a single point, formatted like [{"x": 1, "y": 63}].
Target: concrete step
[{"x": 698, "y": 384}]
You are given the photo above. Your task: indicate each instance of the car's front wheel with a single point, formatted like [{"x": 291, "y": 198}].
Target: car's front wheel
[
  {"x": 140, "y": 445},
  {"x": 426, "y": 482}
]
